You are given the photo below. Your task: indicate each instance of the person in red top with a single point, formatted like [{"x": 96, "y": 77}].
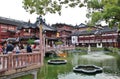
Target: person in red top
[{"x": 34, "y": 46}]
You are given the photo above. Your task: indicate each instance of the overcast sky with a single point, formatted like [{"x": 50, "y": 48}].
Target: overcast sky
[{"x": 13, "y": 9}]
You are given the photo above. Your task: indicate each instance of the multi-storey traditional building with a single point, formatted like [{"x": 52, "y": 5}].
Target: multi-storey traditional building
[
  {"x": 64, "y": 32},
  {"x": 97, "y": 37},
  {"x": 11, "y": 29},
  {"x": 8, "y": 28},
  {"x": 31, "y": 31}
]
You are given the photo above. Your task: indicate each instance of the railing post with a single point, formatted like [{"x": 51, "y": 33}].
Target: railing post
[
  {"x": 10, "y": 61},
  {"x": 34, "y": 74}
]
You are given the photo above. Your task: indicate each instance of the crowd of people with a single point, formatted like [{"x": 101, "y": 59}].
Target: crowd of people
[{"x": 8, "y": 48}]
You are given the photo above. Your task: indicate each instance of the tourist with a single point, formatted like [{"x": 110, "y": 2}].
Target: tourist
[
  {"x": 34, "y": 46},
  {"x": 21, "y": 46},
  {"x": 17, "y": 49},
  {"x": 29, "y": 49},
  {"x": 9, "y": 48}
]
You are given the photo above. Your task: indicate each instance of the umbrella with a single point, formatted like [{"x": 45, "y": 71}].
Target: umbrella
[{"x": 37, "y": 41}]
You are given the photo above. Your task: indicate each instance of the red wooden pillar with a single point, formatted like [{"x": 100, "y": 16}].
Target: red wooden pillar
[
  {"x": 101, "y": 39},
  {"x": 95, "y": 40},
  {"x": 112, "y": 40},
  {"x": 0, "y": 33},
  {"x": 106, "y": 41},
  {"x": 89, "y": 39}
]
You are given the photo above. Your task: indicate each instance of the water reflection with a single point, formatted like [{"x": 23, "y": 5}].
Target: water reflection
[
  {"x": 80, "y": 76},
  {"x": 105, "y": 61},
  {"x": 109, "y": 64},
  {"x": 75, "y": 59}
]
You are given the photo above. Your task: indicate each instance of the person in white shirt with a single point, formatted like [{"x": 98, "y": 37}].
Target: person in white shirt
[{"x": 17, "y": 49}]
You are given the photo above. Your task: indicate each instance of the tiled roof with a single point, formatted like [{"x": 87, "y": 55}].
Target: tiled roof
[
  {"x": 82, "y": 25},
  {"x": 61, "y": 25},
  {"x": 35, "y": 25},
  {"x": 45, "y": 27},
  {"x": 26, "y": 25},
  {"x": 105, "y": 29},
  {"x": 10, "y": 21},
  {"x": 21, "y": 24},
  {"x": 108, "y": 29}
]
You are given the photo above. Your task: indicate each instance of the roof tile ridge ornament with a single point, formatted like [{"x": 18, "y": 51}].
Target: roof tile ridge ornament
[{"x": 40, "y": 20}]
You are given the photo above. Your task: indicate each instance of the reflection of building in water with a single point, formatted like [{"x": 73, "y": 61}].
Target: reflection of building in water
[
  {"x": 89, "y": 49},
  {"x": 108, "y": 62},
  {"x": 75, "y": 59}
]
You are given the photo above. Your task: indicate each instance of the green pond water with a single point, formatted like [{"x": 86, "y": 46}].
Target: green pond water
[{"x": 110, "y": 65}]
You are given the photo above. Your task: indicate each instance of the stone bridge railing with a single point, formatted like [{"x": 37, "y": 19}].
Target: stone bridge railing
[
  {"x": 12, "y": 63},
  {"x": 60, "y": 48},
  {"x": 22, "y": 62}
]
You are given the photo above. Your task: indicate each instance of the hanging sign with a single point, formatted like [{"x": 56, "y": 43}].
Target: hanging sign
[{"x": 74, "y": 39}]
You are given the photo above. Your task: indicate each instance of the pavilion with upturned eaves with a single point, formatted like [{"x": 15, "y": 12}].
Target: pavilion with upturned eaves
[
  {"x": 31, "y": 31},
  {"x": 99, "y": 36},
  {"x": 12, "y": 30}
]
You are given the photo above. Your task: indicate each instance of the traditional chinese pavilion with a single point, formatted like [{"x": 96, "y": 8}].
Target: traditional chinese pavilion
[
  {"x": 64, "y": 32},
  {"x": 31, "y": 31},
  {"x": 8, "y": 29},
  {"x": 102, "y": 36},
  {"x": 21, "y": 31}
]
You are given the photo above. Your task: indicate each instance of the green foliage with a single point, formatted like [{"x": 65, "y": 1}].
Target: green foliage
[
  {"x": 98, "y": 10},
  {"x": 42, "y": 7},
  {"x": 104, "y": 10},
  {"x": 58, "y": 43},
  {"x": 30, "y": 41},
  {"x": 96, "y": 17},
  {"x": 94, "y": 4}
]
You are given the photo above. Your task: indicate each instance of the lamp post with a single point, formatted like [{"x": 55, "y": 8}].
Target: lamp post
[{"x": 40, "y": 23}]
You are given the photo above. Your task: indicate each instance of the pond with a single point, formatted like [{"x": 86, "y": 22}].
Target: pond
[{"x": 110, "y": 65}]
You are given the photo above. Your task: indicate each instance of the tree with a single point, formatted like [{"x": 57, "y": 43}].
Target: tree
[
  {"x": 30, "y": 41},
  {"x": 98, "y": 10},
  {"x": 42, "y": 7},
  {"x": 104, "y": 10}
]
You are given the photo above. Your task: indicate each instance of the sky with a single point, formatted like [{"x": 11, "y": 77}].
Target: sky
[{"x": 13, "y": 9}]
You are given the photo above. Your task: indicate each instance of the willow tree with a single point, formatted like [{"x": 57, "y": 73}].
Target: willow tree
[{"x": 104, "y": 10}]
